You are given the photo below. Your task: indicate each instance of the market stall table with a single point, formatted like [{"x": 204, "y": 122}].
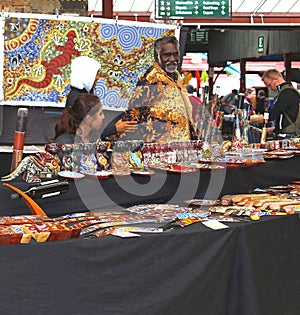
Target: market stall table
[
  {"x": 118, "y": 192},
  {"x": 250, "y": 269}
]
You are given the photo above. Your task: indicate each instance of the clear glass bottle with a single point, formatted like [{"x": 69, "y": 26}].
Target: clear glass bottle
[{"x": 237, "y": 127}]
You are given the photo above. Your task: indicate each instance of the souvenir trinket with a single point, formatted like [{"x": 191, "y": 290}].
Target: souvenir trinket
[{"x": 34, "y": 167}]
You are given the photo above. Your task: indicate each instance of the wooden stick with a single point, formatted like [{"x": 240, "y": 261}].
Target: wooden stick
[{"x": 32, "y": 205}]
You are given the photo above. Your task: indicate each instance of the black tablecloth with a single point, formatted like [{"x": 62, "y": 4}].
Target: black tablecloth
[
  {"x": 248, "y": 269},
  {"x": 114, "y": 193},
  {"x": 252, "y": 268}
]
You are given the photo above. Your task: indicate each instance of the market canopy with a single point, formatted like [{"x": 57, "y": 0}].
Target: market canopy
[
  {"x": 238, "y": 6},
  {"x": 252, "y": 44},
  {"x": 243, "y": 11}
]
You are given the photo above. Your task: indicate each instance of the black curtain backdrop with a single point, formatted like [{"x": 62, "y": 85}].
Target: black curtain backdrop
[{"x": 40, "y": 124}]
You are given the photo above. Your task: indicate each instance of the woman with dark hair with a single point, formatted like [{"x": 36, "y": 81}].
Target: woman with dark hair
[
  {"x": 83, "y": 79},
  {"x": 81, "y": 122},
  {"x": 260, "y": 102}
]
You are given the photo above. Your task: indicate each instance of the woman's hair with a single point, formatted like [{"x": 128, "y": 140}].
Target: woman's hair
[
  {"x": 84, "y": 104},
  {"x": 190, "y": 88},
  {"x": 250, "y": 90},
  {"x": 261, "y": 93}
]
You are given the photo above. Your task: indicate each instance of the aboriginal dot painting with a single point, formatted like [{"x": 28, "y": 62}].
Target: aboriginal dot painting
[{"x": 38, "y": 51}]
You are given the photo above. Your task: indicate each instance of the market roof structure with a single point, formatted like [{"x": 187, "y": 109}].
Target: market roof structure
[{"x": 242, "y": 11}]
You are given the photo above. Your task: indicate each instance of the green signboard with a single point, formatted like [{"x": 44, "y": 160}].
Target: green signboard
[
  {"x": 260, "y": 44},
  {"x": 205, "y": 9}
]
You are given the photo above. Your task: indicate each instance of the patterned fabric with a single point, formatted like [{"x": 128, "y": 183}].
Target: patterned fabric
[
  {"x": 39, "y": 51},
  {"x": 162, "y": 108}
]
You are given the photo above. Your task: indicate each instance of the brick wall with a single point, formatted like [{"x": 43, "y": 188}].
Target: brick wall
[{"x": 46, "y": 6}]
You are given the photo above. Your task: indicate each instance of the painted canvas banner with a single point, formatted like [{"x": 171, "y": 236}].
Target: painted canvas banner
[{"x": 38, "y": 50}]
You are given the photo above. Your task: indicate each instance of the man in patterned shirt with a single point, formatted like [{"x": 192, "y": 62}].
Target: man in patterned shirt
[{"x": 160, "y": 103}]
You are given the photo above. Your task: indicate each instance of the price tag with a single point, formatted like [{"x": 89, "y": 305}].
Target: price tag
[
  {"x": 266, "y": 116},
  {"x": 215, "y": 225}
]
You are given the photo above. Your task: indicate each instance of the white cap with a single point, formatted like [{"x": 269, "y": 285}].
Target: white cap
[{"x": 83, "y": 72}]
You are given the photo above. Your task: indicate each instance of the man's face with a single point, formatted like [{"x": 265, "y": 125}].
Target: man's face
[
  {"x": 270, "y": 83},
  {"x": 169, "y": 57}
]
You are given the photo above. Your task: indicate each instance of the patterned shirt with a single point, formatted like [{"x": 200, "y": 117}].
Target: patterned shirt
[{"x": 162, "y": 108}]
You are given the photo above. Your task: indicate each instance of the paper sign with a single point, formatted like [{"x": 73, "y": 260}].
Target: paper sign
[{"x": 215, "y": 225}]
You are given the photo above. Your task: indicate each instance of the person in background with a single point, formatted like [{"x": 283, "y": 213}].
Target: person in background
[
  {"x": 81, "y": 122},
  {"x": 82, "y": 80},
  {"x": 260, "y": 102},
  {"x": 249, "y": 101},
  {"x": 196, "y": 103},
  {"x": 160, "y": 103},
  {"x": 249, "y": 112},
  {"x": 286, "y": 103},
  {"x": 229, "y": 102},
  {"x": 214, "y": 104}
]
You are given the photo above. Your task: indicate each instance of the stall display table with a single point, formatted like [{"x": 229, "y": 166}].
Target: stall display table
[
  {"x": 90, "y": 194},
  {"x": 250, "y": 268}
]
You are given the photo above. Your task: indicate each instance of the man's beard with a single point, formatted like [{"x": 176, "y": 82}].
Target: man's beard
[{"x": 171, "y": 67}]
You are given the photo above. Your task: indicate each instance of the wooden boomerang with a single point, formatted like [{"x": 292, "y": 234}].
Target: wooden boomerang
[{"x": 32, "y": 205}]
